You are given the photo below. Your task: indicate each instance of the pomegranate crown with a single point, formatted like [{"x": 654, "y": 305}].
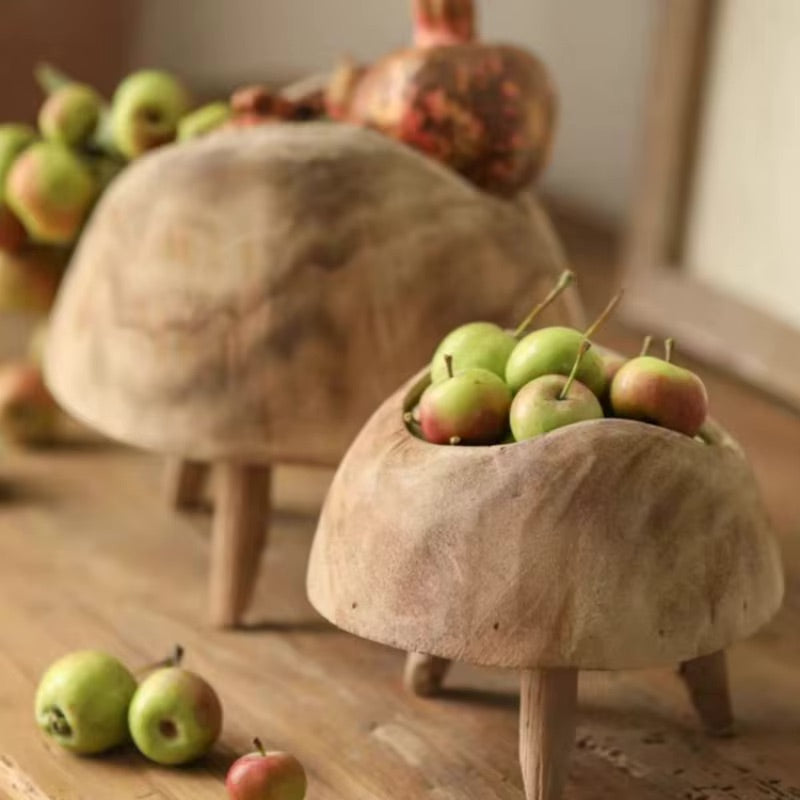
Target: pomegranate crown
[{"x": 443, "y": 22}]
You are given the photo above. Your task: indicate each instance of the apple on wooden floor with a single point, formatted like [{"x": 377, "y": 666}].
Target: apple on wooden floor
[
  {"x": 263, "y": 775},
  {"x": 82, "y": 702}
]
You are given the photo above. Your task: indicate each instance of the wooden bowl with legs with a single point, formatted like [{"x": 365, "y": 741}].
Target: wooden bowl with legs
[
  {"x": 248, "y": 299},
  {"x": 603, "y": 545}
]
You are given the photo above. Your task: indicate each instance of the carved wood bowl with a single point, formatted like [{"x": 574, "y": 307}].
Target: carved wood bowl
[
  {"x": 607, "y": 544},
  {"x": 250, "y": 297}
]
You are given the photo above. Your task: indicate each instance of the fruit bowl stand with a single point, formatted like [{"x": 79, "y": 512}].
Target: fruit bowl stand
[{"x": 605, "y": 545}]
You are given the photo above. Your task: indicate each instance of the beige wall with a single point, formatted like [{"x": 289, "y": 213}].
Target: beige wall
[
  {"x": 745, "y": 233},
  {"x": 597, "y": 49}
]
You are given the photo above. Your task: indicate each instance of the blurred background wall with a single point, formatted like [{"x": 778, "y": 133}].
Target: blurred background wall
[
  {"x": 598, "y": 50},
  {"x": 744, "y": 235}
]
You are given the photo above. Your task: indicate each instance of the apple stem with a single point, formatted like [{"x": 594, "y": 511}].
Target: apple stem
[
  {"x": 448, "y": 360},
  {"x": 566, "y": 278},
  {"x": 648, "y": 342},
  {"x": 607, "y": 311},
  {"x": 259, "y": 746},
  {"x": 173, "y": 660},
  {"x": 177, "y": 656},
  {"x": 669, "y": 346},
  {"x": 582, "y": 350}
]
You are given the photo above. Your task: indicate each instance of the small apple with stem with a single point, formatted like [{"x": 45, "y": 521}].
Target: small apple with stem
[
  {"x": 612, "y": 363},
  {"x": 51, "y": 191},
  {"x": 146, "y": 110},
  {"x": 175, "y": 716},
  {"x": 657, "y": 391},
  {"x": 14, "y": 139},
  {"x": 553, "y": 401},
  {"x": 70, "y": 114},
  {"x": 553, "y": 351},
  {"x": 486, "y": 345},
  {"x": 468, "y": 407},
  {"x": 263, "y": 775},
  {"x": 82, "y": 702}
]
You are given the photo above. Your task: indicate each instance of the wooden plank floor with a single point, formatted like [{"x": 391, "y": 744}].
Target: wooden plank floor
[{"x": 90, "y": 557}]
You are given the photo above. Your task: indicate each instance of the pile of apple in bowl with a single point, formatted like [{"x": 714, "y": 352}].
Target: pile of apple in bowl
[{"x": 491, "y": 386}]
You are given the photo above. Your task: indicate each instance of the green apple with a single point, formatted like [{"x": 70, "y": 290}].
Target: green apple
[
  {"x": 486, "y": 345},
  {"x": 553, "y": 401},
  {"x": 263, "y": 775},
  {"x": 51, "y": 191},
  {"x": 146, "y": 110},
  {"x": 14, "y": 139},
  {"x": 175, "y": 716},
  {"x": 82, "y": 702},
  {"x": 204, "y": 120},
  {"x": 552, "y": 351},
  {"x": 654, "y": 390},
  {"x": 70, "y": 114},
  {"x": 481, "y": 345},
  {"x": 470, "y": 407}
]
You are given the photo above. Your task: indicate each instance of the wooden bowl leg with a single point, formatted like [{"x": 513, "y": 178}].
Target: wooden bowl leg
[
  {"x": 547, "y": 730},
  {"x": 239, "y": 534},
  {"x": 424, "y": 675},
  {"x": 706, "y": 679},
  {"x": 184, "y": 482}
]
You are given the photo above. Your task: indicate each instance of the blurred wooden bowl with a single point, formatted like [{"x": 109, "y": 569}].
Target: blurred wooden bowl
[{"x": 251, "y": 297}]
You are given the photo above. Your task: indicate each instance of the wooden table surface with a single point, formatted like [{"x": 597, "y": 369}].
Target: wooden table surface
[{"x": 91, "y": 557}]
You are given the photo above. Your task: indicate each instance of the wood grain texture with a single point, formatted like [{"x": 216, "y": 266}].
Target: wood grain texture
[
  {"x": 241, "y": 516},
  {"x": 547, "y": 730},
  {"x": 256, "y": 294},
  {"x": 604, "y": 545}
]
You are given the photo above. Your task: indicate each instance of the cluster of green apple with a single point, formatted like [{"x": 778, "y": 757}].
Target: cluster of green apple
[
  {"x": 50, "y": 178},
  {"x": 89, "y": 702},
  {"x": 491, "y": 386}
]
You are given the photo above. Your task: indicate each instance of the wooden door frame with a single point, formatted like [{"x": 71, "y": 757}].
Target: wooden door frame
[{"x": 663, "y": 298}]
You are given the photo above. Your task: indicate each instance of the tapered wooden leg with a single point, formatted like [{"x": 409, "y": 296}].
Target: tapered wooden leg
[
  {"x": 547, "y": 730},
  {"x": 707, "y": 681},
  {"x": 424, "y": 675},
  {"x": 239, "y": 534},
  {"x": 184, "y": 482}
]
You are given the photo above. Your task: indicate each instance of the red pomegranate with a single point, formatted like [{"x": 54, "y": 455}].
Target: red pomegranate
[{"x": 487, "y": 111}]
